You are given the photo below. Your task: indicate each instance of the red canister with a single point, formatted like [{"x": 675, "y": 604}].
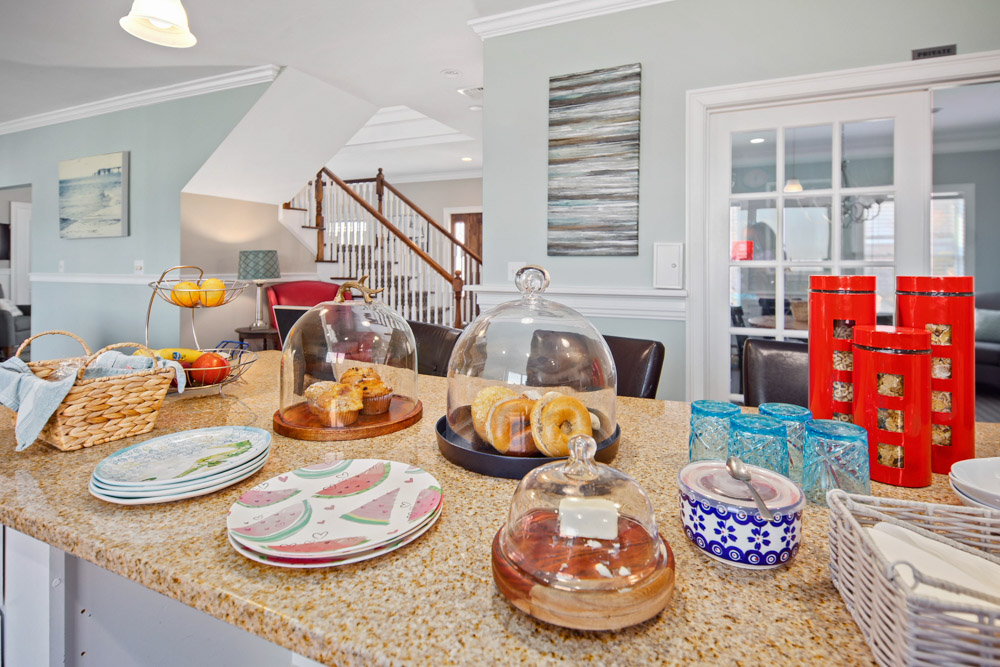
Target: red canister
[
  {"x": 892, "y": 379},
  {"x": 836, "y": 305},
  {"x": 946, "y": 307}
]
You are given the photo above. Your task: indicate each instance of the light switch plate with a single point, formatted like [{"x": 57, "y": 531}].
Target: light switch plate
[{"x": 668, "y": 265}]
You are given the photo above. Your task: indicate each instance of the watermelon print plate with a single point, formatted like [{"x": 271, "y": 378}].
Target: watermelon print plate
[
  {"x": 334, "y": 508},
  {"x": 304, "y": 563},
  {"x": 184, "y": 456}
]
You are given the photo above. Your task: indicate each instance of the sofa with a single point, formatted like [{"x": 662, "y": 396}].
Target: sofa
[
  {"x": 14, "y": 329},
  {"x": 987, "y": 351}
]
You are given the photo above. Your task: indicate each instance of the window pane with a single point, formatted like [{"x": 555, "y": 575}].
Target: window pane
[
  {"x": 948, "y": 234},
  {"x": 751, "y": 297},
  {"x": 797, "y": 295},
  {"x": 809, "y": 157},
  {"x": 807, "y": 228},
  {"x": 868, "y": 155},
  {"x": 885, "y": 296},
  {"x": 752, "y": 229},
  {"x": 755, "y": 157},
  {"x": 868, "y": 223}
]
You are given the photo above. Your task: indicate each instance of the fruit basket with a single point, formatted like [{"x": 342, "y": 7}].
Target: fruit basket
[
  {"x": 207, "y": 379},
  {"x": 186, "y": 292}
]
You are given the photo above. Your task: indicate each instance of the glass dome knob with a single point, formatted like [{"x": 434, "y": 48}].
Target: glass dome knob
[
  {"x": 531, "y": 280},
  {"x": 581, "y": 464}
]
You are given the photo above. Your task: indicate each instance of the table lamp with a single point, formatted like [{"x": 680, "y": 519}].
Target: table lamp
[{"x": 259, "y": 266}]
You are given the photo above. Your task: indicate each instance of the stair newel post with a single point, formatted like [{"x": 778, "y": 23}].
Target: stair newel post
[
  {"x": 320, "y": 240},
  {"x": 380, "y": 189},
  {"x": 457, "y": 284}
]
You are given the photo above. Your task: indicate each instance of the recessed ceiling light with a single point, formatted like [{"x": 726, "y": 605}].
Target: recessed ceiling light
[
  {"x": 757, "y": 140},
  {"x": 467, "y": 159},
  {"x": 475, "y": 107},
  {"x": 450, "y": 73}
]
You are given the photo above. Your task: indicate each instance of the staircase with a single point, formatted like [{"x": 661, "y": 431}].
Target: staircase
[{"x": 367, "y": 227}]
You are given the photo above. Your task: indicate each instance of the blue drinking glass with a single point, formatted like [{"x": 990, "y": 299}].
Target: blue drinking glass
[
  {"x": 760, "y": 441},
  {"x": 794, "y": 418},
  {"x": 835, "y": 456},
  {"x": 709, "y": 438}
]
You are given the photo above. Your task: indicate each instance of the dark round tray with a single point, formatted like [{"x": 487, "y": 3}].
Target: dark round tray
[{"x": 482, "y": 458}]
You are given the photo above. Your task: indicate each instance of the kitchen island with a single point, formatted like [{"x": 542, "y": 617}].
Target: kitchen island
[{"x": 434, "y": 600}]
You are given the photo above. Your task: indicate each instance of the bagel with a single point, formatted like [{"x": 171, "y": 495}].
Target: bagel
[
  {"x": 509, "y": 423},
  {"x": 482, "y": 404},
  {"x": 557, "y": 418}
]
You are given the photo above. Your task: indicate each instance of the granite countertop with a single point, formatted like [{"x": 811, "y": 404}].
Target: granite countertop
[{"x": 434, "y": 599}]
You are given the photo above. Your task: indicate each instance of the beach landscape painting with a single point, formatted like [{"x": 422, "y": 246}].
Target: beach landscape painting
[
  {"x": 593, "y": 206},
  {"x": 93, "y": 196}
]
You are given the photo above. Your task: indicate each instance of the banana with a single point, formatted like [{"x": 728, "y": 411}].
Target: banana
[{"x": 179, "y": 354}]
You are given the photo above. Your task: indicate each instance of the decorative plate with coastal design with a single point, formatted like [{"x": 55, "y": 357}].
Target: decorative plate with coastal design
[
  {"x": 334, "y": 508},
  {"x": 179, "y": 458}
]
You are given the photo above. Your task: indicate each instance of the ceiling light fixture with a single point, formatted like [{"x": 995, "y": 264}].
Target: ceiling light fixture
[
  {"x": 757, "y": 140},
  {"x": 162, "y": 22},
  {"x": 475, "y": 107},
  {"x": 467, "y": 159},
  {"x": 792, "y": 184},
  {"x": 450, "y": 73}
]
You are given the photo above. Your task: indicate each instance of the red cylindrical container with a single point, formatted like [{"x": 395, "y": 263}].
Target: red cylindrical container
[
  {"x": 892, "y": 379},
  {"x": 836, "y": 305},
  {"x": 946, "y": 307}
]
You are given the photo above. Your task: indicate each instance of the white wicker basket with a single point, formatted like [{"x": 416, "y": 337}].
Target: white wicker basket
[{"x": 900, "y": 627}]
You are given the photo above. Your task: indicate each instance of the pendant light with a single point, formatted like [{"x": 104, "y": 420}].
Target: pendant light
[
  {"x": 793, "y": 184},
  {"x": 162, "y": 22}
]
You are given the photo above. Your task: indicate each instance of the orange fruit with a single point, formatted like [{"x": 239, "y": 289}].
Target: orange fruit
[
  {"x": 213, "y": 292},
  {"x": 185, "y": 293}
]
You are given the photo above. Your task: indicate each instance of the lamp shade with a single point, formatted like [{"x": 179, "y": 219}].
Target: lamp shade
[
  {"x": 259, "y": 265},
  {"x": 162, "y": 22}
]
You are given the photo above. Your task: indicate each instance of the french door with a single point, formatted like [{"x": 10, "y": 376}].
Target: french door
[{"x": 834, "y": 187}]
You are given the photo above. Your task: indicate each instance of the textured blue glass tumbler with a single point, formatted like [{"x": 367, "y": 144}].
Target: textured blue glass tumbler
[
  {"x": 760, "y": 441},
  {"x": 709, "y": 438},
  {"x": 835, "y": 456},
  {"x": 794, "y": 418}
]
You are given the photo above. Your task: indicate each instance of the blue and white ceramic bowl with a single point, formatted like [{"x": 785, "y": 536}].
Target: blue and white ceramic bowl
[{"x": 721, "y": 518}]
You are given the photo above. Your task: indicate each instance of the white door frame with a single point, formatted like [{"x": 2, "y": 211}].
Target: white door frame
[
  {"x": 20, "y": 252},
  {"x": 702, "y": 103}
]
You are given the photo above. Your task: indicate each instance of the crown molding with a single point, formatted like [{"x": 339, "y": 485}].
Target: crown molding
[
  {"x": 552, "y": 13},
  {"x": 209, "y": 84},
  {"x": 631, "y": 303}
]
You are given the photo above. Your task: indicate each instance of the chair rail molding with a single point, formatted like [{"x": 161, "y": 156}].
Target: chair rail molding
[
  {"x": 144, "y": 279},
  {"x": 551, "y": 13},
  {"x": 208, "y": 84},
  {"x": 635, "y": 303},
  {"x": 703, "y": 103}
]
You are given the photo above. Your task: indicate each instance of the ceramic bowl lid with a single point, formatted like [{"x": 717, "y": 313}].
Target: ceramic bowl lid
[{"x": 710, "y": 481}]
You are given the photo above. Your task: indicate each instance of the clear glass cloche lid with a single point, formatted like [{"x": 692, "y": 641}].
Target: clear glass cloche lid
[
  {"x": 582, "y": 525},
  {"x": 529, "y": 349},
  {"x": 347, "y": 363}
]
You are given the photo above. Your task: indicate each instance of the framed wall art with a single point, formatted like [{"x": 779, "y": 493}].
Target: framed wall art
[{"x": 93, "y": 196}]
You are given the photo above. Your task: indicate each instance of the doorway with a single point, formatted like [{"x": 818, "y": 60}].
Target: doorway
[{"x": 15, "y": 244}]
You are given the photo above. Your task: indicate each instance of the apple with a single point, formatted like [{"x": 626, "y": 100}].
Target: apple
[
  {"x": 209, "y": 368},
  {"x": 184, "y": 364}
]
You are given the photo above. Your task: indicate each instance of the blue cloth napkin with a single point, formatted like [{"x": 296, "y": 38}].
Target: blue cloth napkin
[
  {"x": 33, "y": 398},
  {"x": 114, "y": 362}
]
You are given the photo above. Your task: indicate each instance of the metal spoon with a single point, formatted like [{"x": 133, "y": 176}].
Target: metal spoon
[{"x": 739, "y": 471}]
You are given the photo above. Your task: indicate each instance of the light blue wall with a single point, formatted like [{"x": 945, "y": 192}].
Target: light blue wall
[
  {"x": 167, "y": 143},
  {"x": 682, "y": 45}
]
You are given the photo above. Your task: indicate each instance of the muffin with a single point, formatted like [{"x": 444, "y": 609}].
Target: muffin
[
  {"x": 341, "y": 405},
  {"x": 376, "y": 396},
  {"x": 356, "y": 373},
  {"x": 313, "y": 393}
]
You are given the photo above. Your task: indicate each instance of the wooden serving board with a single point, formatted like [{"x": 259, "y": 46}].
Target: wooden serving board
[
  {"x": 300, "y": 423},
  {"x": 584, "y": 610}
]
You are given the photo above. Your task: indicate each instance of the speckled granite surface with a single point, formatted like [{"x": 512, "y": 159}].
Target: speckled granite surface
[{"x": 434, "y": 600}]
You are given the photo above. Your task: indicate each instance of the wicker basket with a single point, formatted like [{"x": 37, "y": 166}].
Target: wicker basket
[
  {"x": 900, "y": 627},
  {"x": 98, "y": 410}
]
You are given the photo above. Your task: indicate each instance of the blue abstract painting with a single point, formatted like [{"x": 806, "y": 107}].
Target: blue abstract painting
[
  {"x": 593, "y": 206},
  {"x": 93, "y": 196}
]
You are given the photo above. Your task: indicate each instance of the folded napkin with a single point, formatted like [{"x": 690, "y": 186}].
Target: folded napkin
[
  {"x": 940, "y": 561},
  {"x": 33, "y": 398},
  {"x": 114, "y": 362}
]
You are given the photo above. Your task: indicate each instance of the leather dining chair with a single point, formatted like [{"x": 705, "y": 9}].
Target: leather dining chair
[
  {"x": 638, "y": 363},
  {"x": 434, "y": 345},
  {"x": 775, "y": 372}
]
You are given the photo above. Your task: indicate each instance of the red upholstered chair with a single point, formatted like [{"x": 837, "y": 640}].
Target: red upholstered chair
[{"x": 300, "y": 293}]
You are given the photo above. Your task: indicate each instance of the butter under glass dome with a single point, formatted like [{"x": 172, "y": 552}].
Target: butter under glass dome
[
  {"x": 525, "y": 349},
  {"x": 581, "y": 548},
  {"x": 343, "y": 342}
]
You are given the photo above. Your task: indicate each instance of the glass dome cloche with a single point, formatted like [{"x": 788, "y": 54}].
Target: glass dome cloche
[
  {"x": 581, "y": 547},
  {"x": 348, "y": 370},
  {"x": 524, "y": 378}
]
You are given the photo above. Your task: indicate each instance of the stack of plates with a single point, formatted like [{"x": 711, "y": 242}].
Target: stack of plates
[
  {"x": 181, "y": 465},
  {"x": 976, "y": 482},
  {"x": 334, "y": 513}
]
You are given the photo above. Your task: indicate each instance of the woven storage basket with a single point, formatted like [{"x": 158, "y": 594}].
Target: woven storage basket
[
  {"x": 900, "y": 627},
  {"x": 98, "y": 410}
]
